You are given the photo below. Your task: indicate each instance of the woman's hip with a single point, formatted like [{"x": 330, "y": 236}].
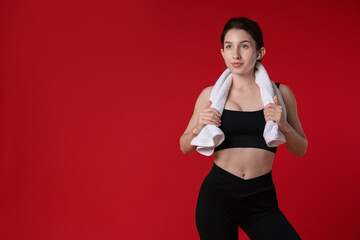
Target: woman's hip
[{"x": 236, "y": 186}]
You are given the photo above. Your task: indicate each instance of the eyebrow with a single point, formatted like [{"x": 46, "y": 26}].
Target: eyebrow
[{"x": 240, "y": 42}]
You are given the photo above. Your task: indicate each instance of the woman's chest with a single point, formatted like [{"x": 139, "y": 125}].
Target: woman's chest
[{"x": 242, "y": 122}]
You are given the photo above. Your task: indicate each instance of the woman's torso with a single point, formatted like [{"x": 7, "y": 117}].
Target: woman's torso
[{"x": 245, "y": 162}]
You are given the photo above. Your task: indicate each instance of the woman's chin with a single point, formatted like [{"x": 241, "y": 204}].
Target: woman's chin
[{"x": 239, "y": 71}]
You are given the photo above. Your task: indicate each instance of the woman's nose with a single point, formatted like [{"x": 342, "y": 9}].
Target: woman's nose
[{"x": 236, "y": 54}]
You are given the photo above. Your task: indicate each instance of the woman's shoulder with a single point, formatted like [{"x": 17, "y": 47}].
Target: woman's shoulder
[
  {"x": 288, "y": 96},
  {"x": 207, "y": 89},
  {"x": 206, "y": 92},
  {"x": 285, "y": 90},
  {"x": 203, "y": 98}
]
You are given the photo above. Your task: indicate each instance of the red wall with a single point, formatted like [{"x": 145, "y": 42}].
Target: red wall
[{"x": 95, "y": 95}]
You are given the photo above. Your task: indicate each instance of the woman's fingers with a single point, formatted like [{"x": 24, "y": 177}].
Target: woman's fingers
[
  {"x": 208, "y": 109},
  {"x": 273, "y": 111},
  {"x": 270, "y": 105},
  {"x": 210, "y": 118},
  {"x": 276, "y": 100},
  {"x": 212, "y": 110},
  {"x": 208, "y": 104},
  {"x": 209, "y": 122}
]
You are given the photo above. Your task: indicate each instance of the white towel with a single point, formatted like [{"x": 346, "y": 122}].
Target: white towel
[{"x": 211, "y": 136}]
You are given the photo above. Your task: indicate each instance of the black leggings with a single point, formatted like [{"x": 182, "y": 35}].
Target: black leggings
[{"x": 227, "y": 202}]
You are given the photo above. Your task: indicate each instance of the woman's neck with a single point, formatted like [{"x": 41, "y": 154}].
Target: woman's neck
[{"x": 243, "y": 82}]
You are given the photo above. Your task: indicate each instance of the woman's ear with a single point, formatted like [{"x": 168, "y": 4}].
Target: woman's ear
[
  {"x": 262, "y": 52},
  {"x": 222, "y": 52}
]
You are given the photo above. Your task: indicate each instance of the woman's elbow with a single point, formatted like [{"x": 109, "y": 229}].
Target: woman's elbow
[
  {"x": 303, "y": 151},
  {"x": 182, "y": 148},
  {"x": 185, "y": 150},
  {"x": 300, "y": 154}
]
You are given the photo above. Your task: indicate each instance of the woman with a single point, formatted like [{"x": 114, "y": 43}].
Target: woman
[{"x": 239, "y": 190}]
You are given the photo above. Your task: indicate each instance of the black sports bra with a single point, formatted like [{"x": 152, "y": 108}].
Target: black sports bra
[{"x": 243, "y": 129}]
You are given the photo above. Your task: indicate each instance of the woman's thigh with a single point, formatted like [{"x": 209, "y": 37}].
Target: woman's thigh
[
  {"x": 274, "y": 226},
  {"x": 260, "y": 217},
  {"x": 213, "y": 220}
]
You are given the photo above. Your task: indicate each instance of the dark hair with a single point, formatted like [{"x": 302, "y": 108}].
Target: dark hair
[{"x": 245, "y": 24}]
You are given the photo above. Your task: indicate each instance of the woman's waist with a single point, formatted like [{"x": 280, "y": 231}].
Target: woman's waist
[
  {"x": 245, "y": 163},
  {"x": 223, "y": 179}
]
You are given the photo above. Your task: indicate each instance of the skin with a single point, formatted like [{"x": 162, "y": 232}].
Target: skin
[{"x": 244, "y": 95}]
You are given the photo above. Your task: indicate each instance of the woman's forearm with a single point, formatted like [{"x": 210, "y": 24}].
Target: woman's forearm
[
  {"x": 295, "y": 143},
  {"x": 185, "y": 141}
]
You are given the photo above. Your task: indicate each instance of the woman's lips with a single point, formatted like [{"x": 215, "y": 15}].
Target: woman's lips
[{"x": 237, "y": 64}]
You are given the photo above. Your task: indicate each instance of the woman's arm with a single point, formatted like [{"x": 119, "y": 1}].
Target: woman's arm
[
  {"x": 202, "y": 115},
  {"x": 296, "y": 142}
]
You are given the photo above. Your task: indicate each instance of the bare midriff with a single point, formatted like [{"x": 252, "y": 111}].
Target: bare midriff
[{"x": 245, "y": 163}]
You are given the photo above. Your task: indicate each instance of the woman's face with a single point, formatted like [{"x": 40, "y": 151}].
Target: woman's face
[{"x": 240, "y": 47}]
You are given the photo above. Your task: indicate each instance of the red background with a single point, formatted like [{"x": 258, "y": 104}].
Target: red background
[{"x": 95, "y": 95}]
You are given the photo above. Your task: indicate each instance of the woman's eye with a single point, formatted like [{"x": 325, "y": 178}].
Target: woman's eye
[{"x": 243, "y": 46}]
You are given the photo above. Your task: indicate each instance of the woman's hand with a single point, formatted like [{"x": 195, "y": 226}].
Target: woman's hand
[
  {"x": 275, "y": 112},
  {"x": 207, "y": 116}
]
